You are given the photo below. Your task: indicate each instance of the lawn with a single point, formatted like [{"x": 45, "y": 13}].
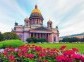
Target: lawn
[
  {"x": 80, "y": 46},
  {"x": 11, "y": 43},
  {"x": 16, "y": 43}
]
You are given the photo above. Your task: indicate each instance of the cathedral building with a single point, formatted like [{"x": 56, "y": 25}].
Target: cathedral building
[{"x": 33, "y": 27}]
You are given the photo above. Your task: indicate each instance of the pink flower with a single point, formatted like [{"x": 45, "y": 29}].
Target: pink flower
[
  {"x": 20, "y": 54},
  {"x": 61, "y": 58},
  {"x": 69, "y": 52},
  {"x": 42, "y": 54},
  {"x": 82, "y": 58},
  {"x": 31, "y": 56},
  {"x": 76, "y": 56},
  {"x": 11, "y": 58},
  {"x": 45, "y": 60},
  {"x": 38, "y": 48}
]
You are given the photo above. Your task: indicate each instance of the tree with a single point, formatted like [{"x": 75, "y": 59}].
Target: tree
[
  {"x": 73, "y": 39},
  {"x": 66, "y": 39},
  {"x": 1, "y": 36},
  {"x": 10, "y": 35}
]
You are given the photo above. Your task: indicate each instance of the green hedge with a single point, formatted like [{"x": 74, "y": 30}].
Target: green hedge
[
  {"x": 11, "y": 43},
  {"x": 36, "y": 40}
]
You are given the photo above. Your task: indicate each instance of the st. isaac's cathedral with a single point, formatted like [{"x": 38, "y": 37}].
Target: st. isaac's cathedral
[{"x": 33, "y": 27}]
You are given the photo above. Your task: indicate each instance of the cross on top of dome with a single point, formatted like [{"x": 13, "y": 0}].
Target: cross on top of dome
[
  {"x": 36, "y": 6},
  {"x": 36, "y": 10}
]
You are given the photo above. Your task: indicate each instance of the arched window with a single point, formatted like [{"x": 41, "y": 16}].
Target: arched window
[
  {"x": 55, "y": 39},
  {"x": 50, "y": 25},
  {"x": 37, "y": 21}
]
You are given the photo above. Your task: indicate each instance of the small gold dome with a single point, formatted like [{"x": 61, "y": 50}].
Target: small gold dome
[{"x": 36, "y": 10}]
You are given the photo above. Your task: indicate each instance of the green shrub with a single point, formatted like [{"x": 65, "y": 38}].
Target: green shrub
[
  {"x": 11, "y": 43},
  {"x": 29, "y": 40},
  {"x": 72, "y": 39},
  {"x": 35, "y": 40},
  {"x": 10, "y": 36},
  {"x": 41, "y": 40},
  {"x": 1, "y": 37}
]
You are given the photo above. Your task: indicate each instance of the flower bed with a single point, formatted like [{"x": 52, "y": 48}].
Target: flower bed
[{"x": 33, "y": 53}]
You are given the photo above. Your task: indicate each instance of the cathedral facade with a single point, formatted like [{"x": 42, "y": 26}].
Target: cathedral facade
[{"x": 33, "y": 27}]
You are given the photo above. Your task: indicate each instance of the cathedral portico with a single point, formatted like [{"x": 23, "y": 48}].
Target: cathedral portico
[{"x": 40, "y": 35}]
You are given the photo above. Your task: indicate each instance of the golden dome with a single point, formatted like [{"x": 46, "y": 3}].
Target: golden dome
[
  {"x": 36, "y": 10},
  {"x": 36, "y": 14}
]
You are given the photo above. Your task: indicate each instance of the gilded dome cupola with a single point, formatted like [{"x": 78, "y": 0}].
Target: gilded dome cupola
[
  {"x": 36, "y": 10},
  {"x": 36, "y": 14}
]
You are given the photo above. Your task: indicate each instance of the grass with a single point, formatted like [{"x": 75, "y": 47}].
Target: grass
[
  {"x": 11, "y": 43},
  {"x": 80, "y": 46},
  {"x": 16, "y": 43}
]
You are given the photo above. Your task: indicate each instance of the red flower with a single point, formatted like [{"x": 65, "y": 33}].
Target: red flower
[
  {"x": 69, "y": 52},
  {"x": 75, "y": 49},
  {"x": 45, "y": 60},
  {"x": 31, "y": 56},
  {"x": 82, "y": 58},
  {"x": 76, "y": 56},
  {"x": 38, "y": 48},
  {"x": 5, "y": 53},
  {"x": 20, "y": 54},
  {"x": 11, "y": 58},
  {"x": 60, "y": 58},
  {"x": 42, "y": 54},
  {"x": 62, "y": 47}
]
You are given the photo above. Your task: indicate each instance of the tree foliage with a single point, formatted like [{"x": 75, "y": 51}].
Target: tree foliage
[
  {"x": 35, "y": 40},
  {"x": 10, "y": 35},
  {"x": 41, "y": 40},
  {"x": 73, "y": 39},
  {"x": 1, "y": 37}
]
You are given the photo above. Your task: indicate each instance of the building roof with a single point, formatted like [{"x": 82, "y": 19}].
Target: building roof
[{"x": 42, "y": 29}]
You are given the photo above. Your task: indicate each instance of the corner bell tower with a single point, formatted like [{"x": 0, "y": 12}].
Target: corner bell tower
[{"x": 49, "y": 24}]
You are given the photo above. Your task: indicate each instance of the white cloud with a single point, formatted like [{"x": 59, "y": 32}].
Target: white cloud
[
  {"x": 67, "y": 14},
  {"x": 14, "y": 6},
  {"x": 5, "y": 27},
  {"x": 75, "y": 26},
  {"x": 7, "y": 17}
]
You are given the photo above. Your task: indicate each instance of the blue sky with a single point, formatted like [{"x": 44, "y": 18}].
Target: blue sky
[{"x": 68, "y": 15}]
